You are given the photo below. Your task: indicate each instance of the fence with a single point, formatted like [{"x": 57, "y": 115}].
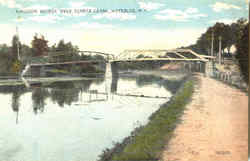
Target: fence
[{"x": 231, "y": 78}]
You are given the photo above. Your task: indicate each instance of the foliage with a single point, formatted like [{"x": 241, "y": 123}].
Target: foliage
[
  {"x": 64, "y": 52},
  {"x": 16, "y": 67},
  {"x": 39, "y": 45},
  {"x": 242, "y": 51},
  {"x": 228, "y": 33},
  {"x": 9, "y": 62},
  {"x": 6, "y": 59},
  {"x": 14, "y": 48},
  {"x": 140, "y": 56},
  {"x": 25, "y": 53}
]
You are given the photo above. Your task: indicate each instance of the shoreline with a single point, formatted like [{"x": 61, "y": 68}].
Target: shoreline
[
  {"x": 15, "y": 82},
  {"x": 142, "y": 140}
]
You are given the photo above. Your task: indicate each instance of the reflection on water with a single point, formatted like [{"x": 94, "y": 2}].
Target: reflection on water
[
  {"x": 38, "y": 99},
  {"x": 75, "y": 120}
]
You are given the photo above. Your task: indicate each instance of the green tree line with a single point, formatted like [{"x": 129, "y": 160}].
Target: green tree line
[
  {"x": 230, "y": 35},
  {"x": 60, "y": 52},
  {"x": 235, "y": 34}
]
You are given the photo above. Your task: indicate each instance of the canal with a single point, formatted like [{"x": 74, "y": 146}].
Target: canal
[{"x": 76, "y": 120}]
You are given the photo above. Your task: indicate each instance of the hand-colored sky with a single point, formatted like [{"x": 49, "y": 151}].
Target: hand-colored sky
[{"x": 153, "y": 24}]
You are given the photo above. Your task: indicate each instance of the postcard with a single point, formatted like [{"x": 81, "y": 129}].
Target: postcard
[{"x": 134, "y": 80}]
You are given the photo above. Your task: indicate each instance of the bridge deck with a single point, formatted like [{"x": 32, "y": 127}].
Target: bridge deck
[
  {"x": 122, "y": 60},
  {"x": 158, "y": 59}
]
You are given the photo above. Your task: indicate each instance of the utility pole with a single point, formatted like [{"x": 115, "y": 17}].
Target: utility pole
[
  {"x": 220, "y": 50},
  {"x": 212, "y": 45}
]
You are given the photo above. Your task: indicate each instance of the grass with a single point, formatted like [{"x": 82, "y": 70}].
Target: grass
[{"x": 152, "y": 138}]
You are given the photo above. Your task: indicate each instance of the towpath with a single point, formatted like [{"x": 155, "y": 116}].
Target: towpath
[{"x": 214, "y": 126}]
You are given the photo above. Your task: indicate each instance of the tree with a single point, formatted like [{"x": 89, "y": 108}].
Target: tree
[
  {"x": 6, "y": 59},
  {"x": 242, "y": 51},
  {"x": 14, "y": 56},
  {"x": 25, "y": 52},
  {"x": 39, "y": 45},
  {"x": 140, "y": 56},
  {"x": 65, "y": 51},
  {"x": 14, "y": 48},
  {"x": 229, "y": 33}
]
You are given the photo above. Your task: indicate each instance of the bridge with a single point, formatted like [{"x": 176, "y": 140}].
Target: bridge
[
  {"x": 179, "y": 55},
  {"x": 156, "y": 55}
]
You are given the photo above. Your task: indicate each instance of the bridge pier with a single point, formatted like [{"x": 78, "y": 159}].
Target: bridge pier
[
  {"x": 114, "y": 69},
  {"x": 114, "y": 84}
]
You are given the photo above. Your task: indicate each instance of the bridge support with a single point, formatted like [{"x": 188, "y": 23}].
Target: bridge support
[
  {"x": 114, "y": 69},
  {"x": 114, "y": 84}
]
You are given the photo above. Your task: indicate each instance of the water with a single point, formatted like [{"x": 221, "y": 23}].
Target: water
[{"x": 64, "y": 121}]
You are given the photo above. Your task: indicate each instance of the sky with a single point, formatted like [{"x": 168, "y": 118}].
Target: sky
[{"x": 115, "y": 25}]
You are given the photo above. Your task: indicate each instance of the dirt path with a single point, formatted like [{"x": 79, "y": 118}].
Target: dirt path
[{"x": 214, "y": 127}]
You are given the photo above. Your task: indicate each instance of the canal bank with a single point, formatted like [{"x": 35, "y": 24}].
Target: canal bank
[{"x": 147, "y": 142}]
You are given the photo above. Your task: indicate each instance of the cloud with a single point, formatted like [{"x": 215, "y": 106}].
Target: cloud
[
  {"x": 179, "y": 15},
  {"x": 35, "y": 0},
  {"x": 192, "y": 10},
  {"x": 219, "y": 6},
  {"x": 224, "y": 20},
  {"x": 10, "y": 4},
  {"x": 93, "y": 25},
  {"x": 46, "y": 18},
  {"x": 38, "y": 7},
  {"x": 115, "y": 15},
  {"x": 150, "y": 5},
  {"x": 76, "y": 4},
  {"x": 80, "y": 5}
]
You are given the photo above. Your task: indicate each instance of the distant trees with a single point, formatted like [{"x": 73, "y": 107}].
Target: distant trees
[
  {"x": 229, "y": 33},
  {"x": 235, "y": 34},
  {"x": 39, "y": 45},
  {"x": 25, "y": 52},
  {"x": 140, "y": 56},
  {"x": 14, "y": 55},
  {"x": 61, "y": 51},
  {"x": 14, "y": 47},
  {"x": 65, "y": 51}
]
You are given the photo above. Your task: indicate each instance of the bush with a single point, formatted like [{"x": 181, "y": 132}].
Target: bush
[{"x": 242, "y": 52}]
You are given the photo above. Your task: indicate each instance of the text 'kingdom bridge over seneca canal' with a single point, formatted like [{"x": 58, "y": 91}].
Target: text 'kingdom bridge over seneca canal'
[{"x": 186, "y": 56}]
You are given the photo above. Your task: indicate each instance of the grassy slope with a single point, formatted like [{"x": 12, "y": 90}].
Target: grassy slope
[{"x": 151, "y": 139}]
